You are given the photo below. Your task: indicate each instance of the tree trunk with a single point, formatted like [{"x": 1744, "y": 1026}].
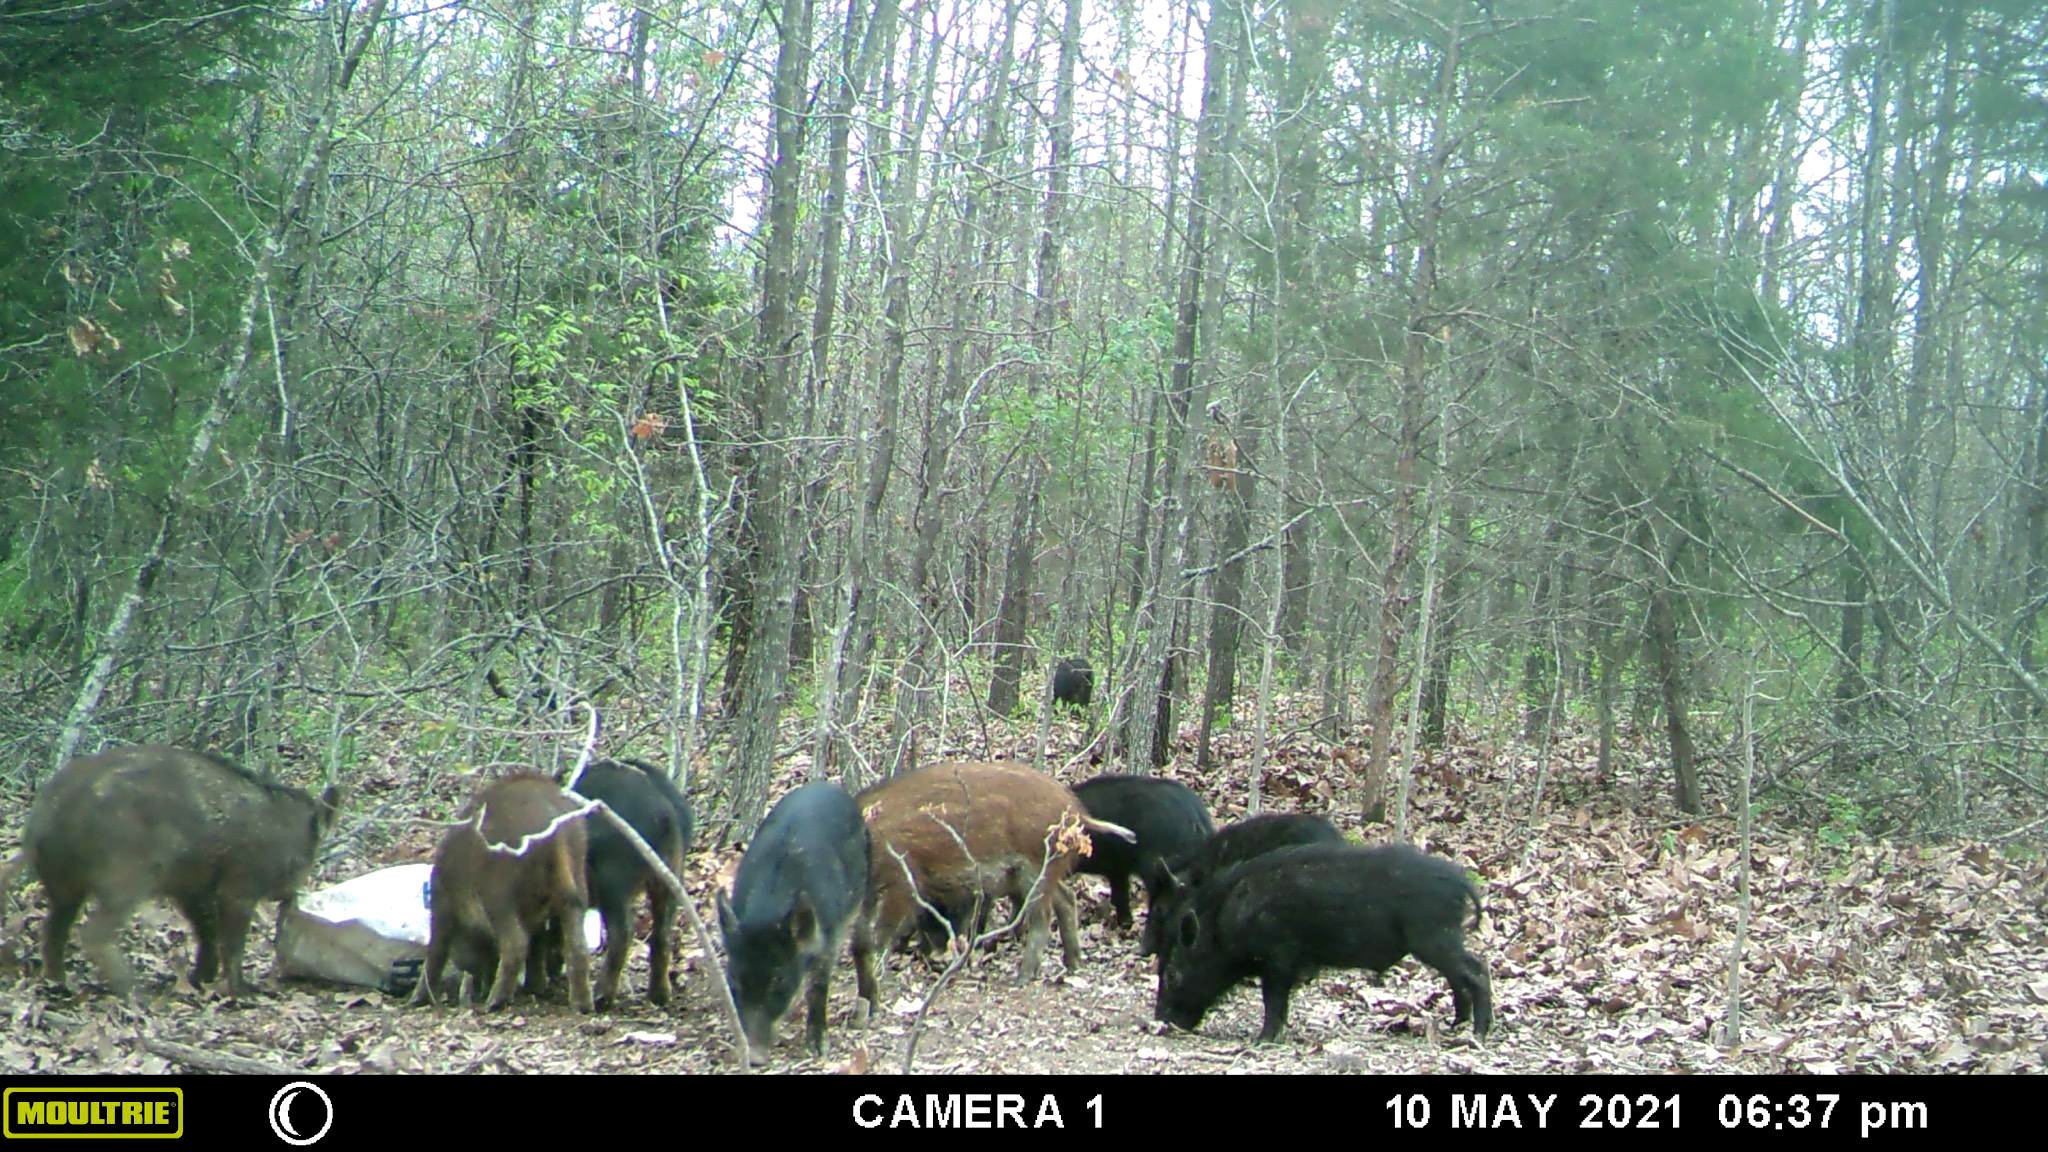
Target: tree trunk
[
  {"x": 1870, "y": 355},
  {"x": 1200, "y": 323},
  {"x": 1051, "y": 303},
  {"x": 1671, "y": 680},
  {"x": 1436, "y": 694},
  {"x": 1013, "y": 611},
  {"x": 1412, "y": 413},
  {"x": 1227, "y": 612},
  {"x": 946, "y": 425},
  {"x": 837, "y": 697},
  {"x": 776, "y": 373}
]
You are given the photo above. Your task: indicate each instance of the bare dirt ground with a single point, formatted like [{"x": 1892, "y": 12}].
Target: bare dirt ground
[{"x": 1609, "y": 929}]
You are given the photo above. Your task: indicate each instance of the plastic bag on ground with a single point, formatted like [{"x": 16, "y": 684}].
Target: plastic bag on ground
[{"x": 370, "y": 931}]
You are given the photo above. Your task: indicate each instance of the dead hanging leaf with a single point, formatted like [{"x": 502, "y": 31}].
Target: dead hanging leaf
[
  {"x": 1127, "y": 82},
  {"x": 649, "y": 426},
  {"x": 75, "y": 275},
  {"x": 713, "y": 58},
  {"x": 176, "y": 308},
  {"x": 95, "y": 476},
  {"x": 299, "y": 538},
  {"x": 87, "y": 337},
  {"x": 177, "y": 250},
  {"x": 333, "y": 542},
  {"x": 1070, "y": 836},
  {"x": 166, "y": 281}
]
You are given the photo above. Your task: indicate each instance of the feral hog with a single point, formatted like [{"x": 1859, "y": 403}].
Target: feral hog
[
  {"x": 964, "y": 831},
  {"x": 515, "y": 862},
  {"x": 800, "y": 888},
  {"x": 1286, "y": 914},
  {"x": 1173, "y": 876},
  {"x": 1168, "y": 817},
  {"x": 1073, "y": 682},
  {"x": 647, "y": 800},
  {"x": 149, "y": 821}
]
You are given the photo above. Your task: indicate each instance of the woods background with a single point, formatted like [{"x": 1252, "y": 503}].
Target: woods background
[{"x": 795, "y": 381}]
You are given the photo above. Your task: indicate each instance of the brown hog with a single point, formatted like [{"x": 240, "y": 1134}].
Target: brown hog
[
  {"x": 515, "y": 862},
  {"x": 1014, "y": 823},
  {"x": 148, "y": 821}
]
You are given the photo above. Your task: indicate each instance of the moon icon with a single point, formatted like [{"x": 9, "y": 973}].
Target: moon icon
[{"x": 281, "y": 1113}]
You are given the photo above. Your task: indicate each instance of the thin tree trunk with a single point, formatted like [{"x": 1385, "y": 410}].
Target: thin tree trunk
[
  {"x": 947, "y": 423},
  {"x": 1436, "y": 695},
  {"x": 1014, "y": 612},
  {"x": 1227, "y": 611},
  {"x": 1162, "y": 614},
  {"x": 1412, "y": 412},
  {"x": 1421, "y": 662},
  {"x": 773, "y": 587},
  {"x": 835, "y": 689},
  {"x": 1870, "y": 354},
  {"x": 1731, "y": 1032},
  {"x": 1671, "y": 679}
]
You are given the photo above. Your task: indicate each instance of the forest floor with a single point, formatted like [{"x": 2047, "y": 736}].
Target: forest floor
[{"x": 1609, "y": 927}]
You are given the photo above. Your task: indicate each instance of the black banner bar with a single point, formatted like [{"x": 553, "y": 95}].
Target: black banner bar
[{"x": 358, "y": 1111}]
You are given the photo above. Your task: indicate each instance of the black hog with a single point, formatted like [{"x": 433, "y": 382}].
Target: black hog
[
  {"x": 1073, "y": 682},
  {"x": 1176, "y": 875},
  {"x": 150, "y": 821},
  {"x": 1170, "y": 820},
  {"x": 799, "y": 890},
  {"x": 647, "y": 800},
  {"x": 1286, "y": 914},
  {"x": 515, "y": 862}
]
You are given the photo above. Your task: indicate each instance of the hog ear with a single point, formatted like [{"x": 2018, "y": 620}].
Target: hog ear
[
  {"x": 803, "y": 920},
  {"x": 727, "y": 922},
  {"x": 1164, "y": 879}
]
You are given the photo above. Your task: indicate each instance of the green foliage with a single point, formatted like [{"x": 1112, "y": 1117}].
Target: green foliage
[
  {"x": 1844, "y": 826},
  {"x": 122, "y": 262}
]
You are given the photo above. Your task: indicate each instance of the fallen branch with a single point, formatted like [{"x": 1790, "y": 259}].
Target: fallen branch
[{"x": 216, "y": 1061}]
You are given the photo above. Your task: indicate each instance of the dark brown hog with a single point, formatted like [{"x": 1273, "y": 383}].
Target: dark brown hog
[
  {"x": 151, "y": 821},
  {"x": 516, "y": 861}
]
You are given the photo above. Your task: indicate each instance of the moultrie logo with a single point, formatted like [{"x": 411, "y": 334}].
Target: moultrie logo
[{"x": 85, "y": 1113}]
